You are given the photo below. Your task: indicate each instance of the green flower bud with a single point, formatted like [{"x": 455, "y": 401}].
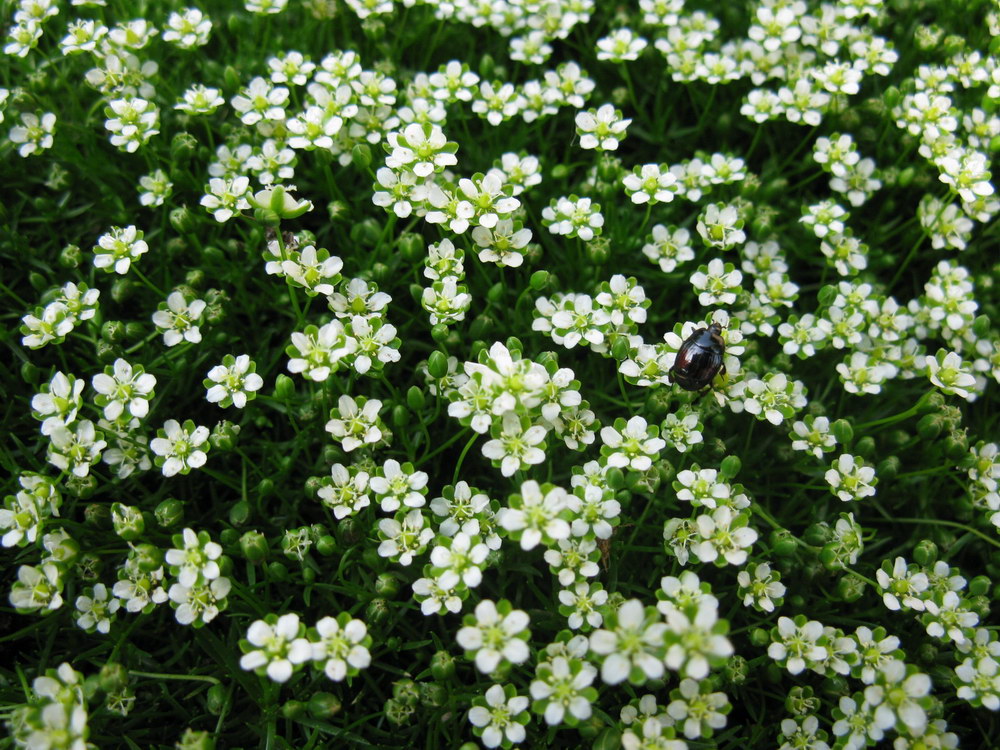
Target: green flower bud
[
  {"x": 224, "y": 434},
  {"x": 284, "y": 387},
  {"x": 113, "y": 331},
  {"x": 843, "y": 431},
  {"x": 361, "y": 156},
  {"x": 30, "y": 374},
  {"x": 216, "y": 699},
  {"x": 277, "y": 571},
  {"x": 437, "y": 364},
  {"x": 442, "y": 665},
  {"x": 817, "y": 534},
  {"x": 127, "y": 521},
  {"x": 387, "y": 585},
  {"x": 112, "y": 677},
  {"x": 121, "y": 290},
  {"x": 783, "y": 543},
  {"x": 891, "y": 96},
  {"x": 405, "y": 691},
  {"x": 539, "y": 280},
  {"x": 956, "y": 445},
  {"x": 930, "y": 426},
  {"x": 759, "y": 637},
  {"x": 148, "y": 557},
  {"x": 415, "y": 398},
  {"x": 865, "y": 447},
  {"x": 926, "y": 553},
  {"x": 432, "y": 694},
  {"x": 106, "y": 352},
  {"x": 81, "y": 487},
  {"x": 265, "y": 487},
  {"x": 979, "y": 586},
  {"x": 182, "y": 221},
  {"x": 646, "y": 482},
  {"x": 377, "y": 611},
  {"x": 931, "y": 401},
  {"x": 71, "y": 256},
  {"x": 324, "y": 705},
  {"x": 599, "y": 250},
  {"x": 293, "y": 710},
  {"x": 411, "y": 245},
  {"x": 400, "y": 416},
  {"x": 239, "y": 513},
  {"x": 253, "y": 545},
  {"x": 97, "y": 515},
  {"x": 326, "y": 545},
  {"x": 730, "y": 467},
  {"x": 349, "y": 531},
  {"x": 481, "y": 326},
  {"x": 887, "y": 468},
  {"x": 850, "y": 589},
  {"x": 182, "y": 147},
  {"x": 620, "y": 350},
  {"x": 439, "y": 332}
]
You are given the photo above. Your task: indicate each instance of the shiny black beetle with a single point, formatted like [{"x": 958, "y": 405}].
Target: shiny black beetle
[{"x": 699, "y": 359}]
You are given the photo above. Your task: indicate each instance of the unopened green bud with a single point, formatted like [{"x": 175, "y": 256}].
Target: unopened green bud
[
  {"x": 736, "y": 670},
  {"x": 253, "y": 545},
  {"x": 930, "y": 426},
  {"x": 979, "y": 586},
  {"x": 113, "y": 331},
  {"x": 843, "y": 431},
  {"x": 216, "y": 699},
  {"x": 850, "y": 588},
  {"x": 224, "y": 434},
  {"x": 887, "y": 468},
  {"x": 817, "y": 534},
  {"x": 437, "y": 364},
  {"x": 783, "y": 543},
  {"x": 71, "y": 256},
  {"x": 387, "y": 585},
  {"x": 30, "y": 373},
  {"x": 106, "y": 352},
  {"x": 239, "y": 514},
  {"x": 405, "y": 691},
  {"x": 326, "y": 545},
  {"x": 277, "y": 571},
  {"x": 539, "y": 280},
  {"x": 415, "y": 398},
  {"x": 324, "y": 705},
  {"x": 411, "y": 245},
  {"x": 730, "y": 467},
  {"x": 148, "y": 557},
  {"x": 926, "y": 552},
  {"x": 182, "y": 147},
  {"x": 284, "y": 387},
  {"x": 293, "y": 709},
  {"x": 377, "y": 611},
  {"x": 759, "y": 637},
  {"x": 865, "y": 447},
  {"x": 127, "y": 521},
  {"x": 112, "y": 677},
  {"x": 182, "y": 221},
  {"x": 361, "y": 156},
  {"x": 442, "y": 665}
]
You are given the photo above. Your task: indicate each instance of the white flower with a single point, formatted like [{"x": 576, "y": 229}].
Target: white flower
[
  {"x": 492, "y": 634},
  {"x": 180, "y": 449},
  {"x": 178, "y": 319},
  {"x": 632, "y": 445},
  {"x": 795, "y": 644},
  {"x": 280, "y": 647},
  {"x": 234, "y": 381},
  {"x": 535, "y": 514},
  {"x": 120, "y": 387},
  {"x": 34, "y": 133},
  {"x": 850, "y": 478},
  {"x": 342, "y": 646},
  {"x": 502, "y": 718},
  {"x": 198, "y": 558},
  {"x": 633, "y": 648},
  {"x": 514, "y": 446},
  {"x": 355, "y": 422},
  {"x": 602, "y": 128}
]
